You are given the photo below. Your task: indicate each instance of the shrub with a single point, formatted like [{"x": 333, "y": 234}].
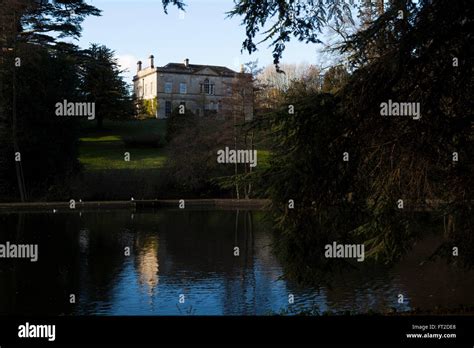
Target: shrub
[
  {"x": 177, "y": 122},
  {"x": 143, "y": 140}
]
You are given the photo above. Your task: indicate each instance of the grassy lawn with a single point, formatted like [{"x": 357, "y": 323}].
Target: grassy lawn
[
  {"x": 104, "y": 149},
  {"x": 107, "y": 176}
]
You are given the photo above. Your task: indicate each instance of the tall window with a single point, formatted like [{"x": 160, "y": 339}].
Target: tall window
[
  {"x": 182, "y": 88},
  {"x": 168, "y": 87},
  {"x": 207, "y": 87},
  {"x": 167, "y": 108}
]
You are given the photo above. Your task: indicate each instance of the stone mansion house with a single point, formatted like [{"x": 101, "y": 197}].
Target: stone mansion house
[{"x": 203, "y": 89}]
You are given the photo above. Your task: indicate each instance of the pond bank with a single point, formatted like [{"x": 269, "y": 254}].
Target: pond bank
[{"x": 248, "y": 204}]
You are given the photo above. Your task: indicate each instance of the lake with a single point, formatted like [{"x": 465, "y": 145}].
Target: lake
[{"x": 184, "y": 262}]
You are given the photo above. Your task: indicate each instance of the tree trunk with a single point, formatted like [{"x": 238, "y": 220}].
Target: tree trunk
[
  {"x": 235, "y": 148},
  {"x": 380, "y": 7}
]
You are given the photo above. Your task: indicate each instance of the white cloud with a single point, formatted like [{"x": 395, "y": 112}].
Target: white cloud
[{"x": 127, "y": 62}]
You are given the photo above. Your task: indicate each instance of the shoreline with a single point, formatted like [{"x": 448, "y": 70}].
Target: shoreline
[{"x": 248, "y": 204}]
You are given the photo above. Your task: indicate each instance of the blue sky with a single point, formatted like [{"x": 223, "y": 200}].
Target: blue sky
[{"x": 136, "y": 28}]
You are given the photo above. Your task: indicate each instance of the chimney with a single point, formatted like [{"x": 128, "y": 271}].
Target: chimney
[
  {"x": 152, "y": 61},
  {"x": 139, "y": 65},
  {"x": 242, "y": 69},
  {"x": 186, "y": 62}
]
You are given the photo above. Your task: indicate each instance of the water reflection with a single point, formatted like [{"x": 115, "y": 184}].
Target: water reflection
[
  {"x": 191, "y": 253},
  {"x": 147, "y": 264}
]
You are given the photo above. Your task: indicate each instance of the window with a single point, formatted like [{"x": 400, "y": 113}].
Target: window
[
  {"x": 168, "y": 87},
  {"x": 167, "y": 108},
  {"x": 207, "y": 87},
  {"x": 182, "y": 88}
]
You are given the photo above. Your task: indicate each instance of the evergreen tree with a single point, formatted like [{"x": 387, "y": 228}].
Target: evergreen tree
[
  {"x": 37, "y": 70},
  {"x": 423, "y": 56},
  {"x": 103, "y": 84}
]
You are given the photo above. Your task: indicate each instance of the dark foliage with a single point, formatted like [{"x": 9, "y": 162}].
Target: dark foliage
[{"x": 390, "y": 158}]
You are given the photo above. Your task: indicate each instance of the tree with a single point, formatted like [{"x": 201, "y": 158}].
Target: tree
[
  {"x": 274, "y": 84},
  {"x": 239, "y": 109},
  {"x": 104, "y": 85},
  {"x": 45, "y": 22},
  {"x": 195, "y": 140},
  {"x": 193, "y": 145},
  {"x": 404, "y": 158},
  {"x": 32, "y": 63},
  {"x": 335, "y": 79},
  {"x": 387, "y": 159},
  {"x": 302, "y": 20},
  {"x": 177, "y": 122}
]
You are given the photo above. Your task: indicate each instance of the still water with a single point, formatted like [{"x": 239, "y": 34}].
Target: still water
[{"x": 190, "y": 256}]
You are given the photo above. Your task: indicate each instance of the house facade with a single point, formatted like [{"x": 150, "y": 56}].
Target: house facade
[{"x": 203, "y": 89}]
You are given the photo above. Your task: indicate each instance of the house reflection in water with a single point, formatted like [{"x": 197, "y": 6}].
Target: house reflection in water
[{"x": 147, "y": 263}]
